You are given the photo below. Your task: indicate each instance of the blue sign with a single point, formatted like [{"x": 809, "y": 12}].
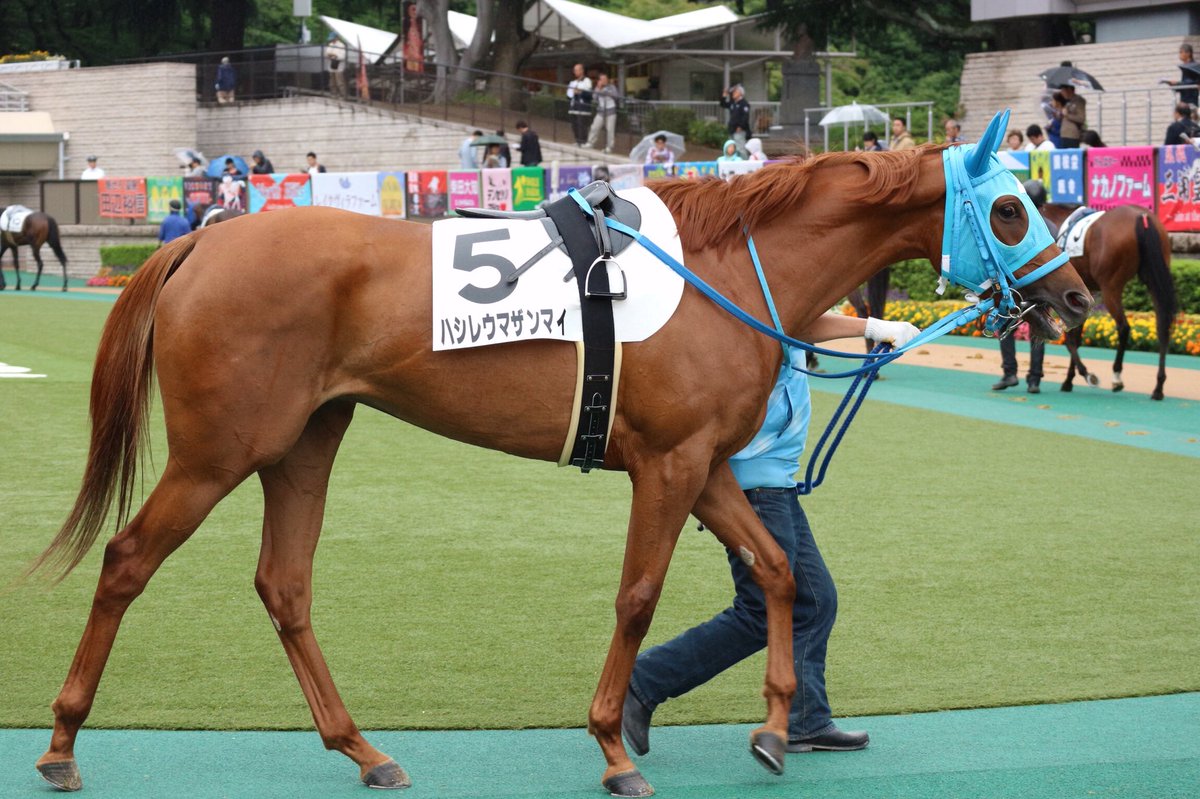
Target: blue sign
[{"x": 1066, "y": 176}]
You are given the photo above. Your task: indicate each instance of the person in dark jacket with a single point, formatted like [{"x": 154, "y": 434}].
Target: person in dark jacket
[
  {"x": 226, "y": 82},
  {"x": 262, "y": 164},
  {"x": 734, "y": 98},
  {"x": 1183, "y": 129},
  {"x": 174, "y": 225},
  {"x": 530, "y": 146}
]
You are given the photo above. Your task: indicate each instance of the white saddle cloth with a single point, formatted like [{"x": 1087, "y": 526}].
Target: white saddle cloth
[
  {"x": 1074, "y": 230},
  {"x": 13, "y": 218}
]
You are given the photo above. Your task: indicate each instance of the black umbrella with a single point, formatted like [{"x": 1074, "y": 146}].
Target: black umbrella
[
  {"x": 1067, "y": 75},
  {"x": 1190, "y": 68}
]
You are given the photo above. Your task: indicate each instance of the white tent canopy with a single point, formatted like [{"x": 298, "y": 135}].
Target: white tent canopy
[{"x": 375, "y": 43}]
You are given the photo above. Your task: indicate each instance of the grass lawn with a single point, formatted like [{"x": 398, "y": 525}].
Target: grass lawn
[{"x": 978, "y": 564}]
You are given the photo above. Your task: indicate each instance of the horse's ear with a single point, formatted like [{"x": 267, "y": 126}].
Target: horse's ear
[{"x": 989, "y": 142}]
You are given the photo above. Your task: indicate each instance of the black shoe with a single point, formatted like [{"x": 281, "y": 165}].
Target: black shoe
[
  {"x": 1007, "y": 381},
  {"x": 635, "y": 724},
  {"x": 832, "y": 740},
  {"x": 1033, "y": 385}
]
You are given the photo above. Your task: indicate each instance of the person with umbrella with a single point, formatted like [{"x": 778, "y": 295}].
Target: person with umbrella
[
  {"x": 660, "y": 153},
  {"x": 1074, "y": 116},
  {"x": 1191, "y": 76}
]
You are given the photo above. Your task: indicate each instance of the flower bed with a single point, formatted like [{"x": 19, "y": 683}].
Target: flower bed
[{"x": 1099, "y": 330}]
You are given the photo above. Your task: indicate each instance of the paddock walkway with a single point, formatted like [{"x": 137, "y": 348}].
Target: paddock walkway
[{"x": 1144, "y": 748}]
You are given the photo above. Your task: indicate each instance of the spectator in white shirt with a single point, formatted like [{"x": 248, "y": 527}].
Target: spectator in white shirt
[
  {"x": 1037, "y": 139},
  {"x": 92, "y": 172}
]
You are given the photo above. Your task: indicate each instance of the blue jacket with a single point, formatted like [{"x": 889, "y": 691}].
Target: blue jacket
[
  {"x": 772, "y": 457},
  {"x": 173, "y": 227}
]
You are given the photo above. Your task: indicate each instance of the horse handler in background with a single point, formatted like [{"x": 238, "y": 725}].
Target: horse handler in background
[{"x": 766, "y": 471}]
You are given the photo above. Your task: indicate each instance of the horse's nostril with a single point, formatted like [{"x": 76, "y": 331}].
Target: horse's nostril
[{"x": 1078, "y": 300}]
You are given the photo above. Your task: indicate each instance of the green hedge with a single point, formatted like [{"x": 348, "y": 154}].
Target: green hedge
[
  {"x": 707, "y": 133},
  {"x": 126, "y": 257},
  {"x": 918, "y": 281},
  {"x": 676, "y": 120}
]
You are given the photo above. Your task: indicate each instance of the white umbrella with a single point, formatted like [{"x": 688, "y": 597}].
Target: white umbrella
[
  {"x": 854, "y": 112},
  {"x": 186, "y": 154},
  {"x": 674, "y": 143}
]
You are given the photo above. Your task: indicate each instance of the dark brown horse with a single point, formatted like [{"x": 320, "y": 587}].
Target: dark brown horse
[
  {"x": 206, "y": 219},
  {"x": 37, "y": 229},
  {"x": 320, "y": 310},
  {"x": 1128, "y": 241}
]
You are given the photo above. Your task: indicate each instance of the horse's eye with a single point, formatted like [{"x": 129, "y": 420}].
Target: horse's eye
[{"x": 1008, "y": 212}]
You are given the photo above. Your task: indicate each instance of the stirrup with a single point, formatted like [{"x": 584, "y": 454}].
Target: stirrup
[{"x": 610, "y": 295}]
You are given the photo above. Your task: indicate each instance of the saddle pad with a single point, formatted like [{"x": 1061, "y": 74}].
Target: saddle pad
[
  {"x": 474, "y": 305},
  {"x": 13, "y": 218},
  {"x": 1074, "y": 230}
]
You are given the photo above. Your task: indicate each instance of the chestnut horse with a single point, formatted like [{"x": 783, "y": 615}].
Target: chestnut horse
[
  {"x": 1127, "y": 241},
  {"x": 38, "y": 228},
  {"x": 321, "y": 310}
]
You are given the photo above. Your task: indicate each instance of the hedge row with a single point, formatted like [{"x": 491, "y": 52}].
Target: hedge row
[
  {"x": 916, "y": 280},
  {"x": 125, "y": 257}
]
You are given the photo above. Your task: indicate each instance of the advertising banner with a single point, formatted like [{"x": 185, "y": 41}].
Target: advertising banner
[
  {"x": 497, "y": 189},
  {"x": 271, "y": 192},
  {"x": 350, "y": 191},
  {"x": 122, "y": 198},
  {"x": 528, "y": 187},
  {"x": 200, "y": 191},
  {"x": 657, "y": 171},
  {"x": 1039, "y": 169},
  {"x": 1179, "y": 187},
  {"x": 1066, "y": 176},
  {"x": 464, "y": 189},
  {"x": 231, "y": 193},
  {"x": 727, "y": 169},
  {"x": 696, "y": 169},
  {"x": 625, "y": 176},
  {"x": 426, "y": 192},
  {"x": 1120, "y": 176},
  {"x": 570, "y": 177},
  {"x": 160, "y": 192},
  {"x": 391, "y": 194},
  {"x": 1016, "y": 162}
]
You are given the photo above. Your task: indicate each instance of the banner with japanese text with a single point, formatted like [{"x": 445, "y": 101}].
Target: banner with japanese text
[
  {"x": 657, "y": 171},
  {"x": 122, "y": 198},
  {"x": 528, "y": 187},
  {"x": 696, "y": 169},
  {"x": 1039, "y": 169},
  {"x": 497, "y": 189},
  {"x": 200, "y": 191},
  {"x": 1066, "y": 176},
  {"x": 464, "y": 189},
  {"x": 625, "y": 176},
  {"x": 350, "y": 191},
  {"x": 426, "y": 192},
  {"x": 272, "y": 192},
  {"x": 391, "y": 194},
  {"x": 159, "y": 193},
  {"x": 1120, "y": 176},
  {"x": 1178, "y": 187},
  {"x": 570, "y": 177}
]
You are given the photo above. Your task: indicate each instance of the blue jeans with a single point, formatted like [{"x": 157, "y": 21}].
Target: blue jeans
[
  {"x": 696, "y": 656},
  {"x": 1008, "y": 357}
]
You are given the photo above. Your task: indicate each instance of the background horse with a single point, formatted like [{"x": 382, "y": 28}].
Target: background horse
[
  {"x": 1127, "y": 241},
  {"x": 38, "y": 229},
  {"x": 205, "y": 219},
  {"x": 323, "y": 309}
]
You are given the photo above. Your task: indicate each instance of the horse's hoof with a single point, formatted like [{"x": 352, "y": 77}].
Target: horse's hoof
[
  {"x": 1092, "y": 380},
  {"x": 62, "y": 774},
  {"x": 1118, "y": 387},
  {"x": 628, "y": 783},
  {"x": 387, "y": 775},
  {"x": 768, "y": 749},
  {"x": 1066, "y": 387},
  {"x": 1157, "y": 395}
]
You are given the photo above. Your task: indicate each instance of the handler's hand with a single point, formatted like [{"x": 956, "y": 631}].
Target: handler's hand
[{"x": 896, "y": 333}]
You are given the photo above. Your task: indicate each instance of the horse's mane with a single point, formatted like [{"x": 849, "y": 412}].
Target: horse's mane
[{"x": 713, "y": 209}]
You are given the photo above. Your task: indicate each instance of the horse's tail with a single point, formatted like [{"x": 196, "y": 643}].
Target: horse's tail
[
  {"x": 120, "y": 409},
  {"x": 1155, "y": 271},
  {"x": 53, "y": 240}
]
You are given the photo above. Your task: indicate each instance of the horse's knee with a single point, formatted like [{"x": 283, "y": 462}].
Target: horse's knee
[
  {"x": 124, "y": 575},
  {"x": 287, "y": 602},
  {"x": 635, "y": 606}
]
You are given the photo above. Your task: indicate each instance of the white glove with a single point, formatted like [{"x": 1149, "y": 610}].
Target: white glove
[{"x": 896, "y": 333}]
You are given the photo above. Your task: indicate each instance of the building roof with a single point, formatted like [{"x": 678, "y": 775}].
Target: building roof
[{"x": 375, "y": 43}]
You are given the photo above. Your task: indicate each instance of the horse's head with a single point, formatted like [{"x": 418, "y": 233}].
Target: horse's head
[{"x": 996, "y": 245}]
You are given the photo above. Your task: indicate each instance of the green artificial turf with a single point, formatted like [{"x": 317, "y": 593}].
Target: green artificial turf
[{"x": 978, "y": 564}]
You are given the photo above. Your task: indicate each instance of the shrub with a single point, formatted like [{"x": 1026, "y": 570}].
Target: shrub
[
  {"x": 676, "y": 120},
  {"x": 125, "y": 257},
  {"x": 707, "y": 133},
  {"x": 1187, "y": 287}
]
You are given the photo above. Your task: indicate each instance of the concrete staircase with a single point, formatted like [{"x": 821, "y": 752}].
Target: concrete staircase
[{"x": 1133, "y": 110}]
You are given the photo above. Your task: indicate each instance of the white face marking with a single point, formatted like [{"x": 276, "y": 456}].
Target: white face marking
[{"x": 747, "y": 556}]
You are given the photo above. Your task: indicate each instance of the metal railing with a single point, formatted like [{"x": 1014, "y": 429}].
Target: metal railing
[
  {"x": 812, "y": 116},
  {"x": 1115, "y": 108},
  {"x": 13, "y": 99}
]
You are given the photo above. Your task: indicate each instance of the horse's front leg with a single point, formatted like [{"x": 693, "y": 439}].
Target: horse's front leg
[
  {"x": 1072, "y": 340},
  {"x": 37, "y": 257},
  {"x": 664, "y": 490},
  {"x": 722, "y": 507},
  {"x": 17, "y": 267}
]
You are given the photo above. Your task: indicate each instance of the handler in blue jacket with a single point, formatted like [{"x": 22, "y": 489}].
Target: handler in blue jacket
[
  {"x": 766, "y": 471},
  {"x": 174, "y": 225}
]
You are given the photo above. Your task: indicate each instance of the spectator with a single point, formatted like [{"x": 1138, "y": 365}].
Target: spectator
[
  {"x": 1091, "y": 139},
  {"x": 954, "y": 132},
  {"x": 1074, "y": 117},
  {"x": 871, "y": 142},
  {"x": 262, "y": 164},
  {"x": 194, "y": 168},
  {"x": 729, "y": 151},
  {"x": 1183, "y": 130},
  {"x": 901, "y": 138},
  {"x": 734, "y": 98},
  {"x": 92, "y": 172},
  {"x": 1190, "y": 78},
  {"x": 493, "y": 159},
  {"x": 660, "y": 153},
  {"x": 174, "y": 225},
  {"x": 314, "y": 166},
  {"x": 605, "y": 96},
  {"x": 466, "y": 151},
  {"x": 579, "y": 97},
  {"x": 335, "y": 55},
  {"x": 505, "y": 153},
  {"x": 231, "y": 170},
  {"x": 601, "y": 173},
  {"x": 754, "y": 150},
  {"x": 1016, "y": 141},
  {"x": 530, "y": 146},
  {"x": 226, "y": 82},
  {"x": 1037, "y": 139}
]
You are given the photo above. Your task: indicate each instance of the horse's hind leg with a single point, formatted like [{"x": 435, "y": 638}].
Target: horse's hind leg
[
  {"x": 3, "y": 249},
  {"x": 37, "y": 256},
  {"x": 170, "y": 515},
  {"x": 1117, "y": 309},
  {"x": 294, "y": 490}
]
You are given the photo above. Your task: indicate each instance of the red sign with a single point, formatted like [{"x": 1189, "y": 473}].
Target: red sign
[
  {"x": 1120, "y": 176},
  {"x": 122, "y": 198},
  {"x": 271, "y": 192},
  {"x": 1179, "y": 187}
]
